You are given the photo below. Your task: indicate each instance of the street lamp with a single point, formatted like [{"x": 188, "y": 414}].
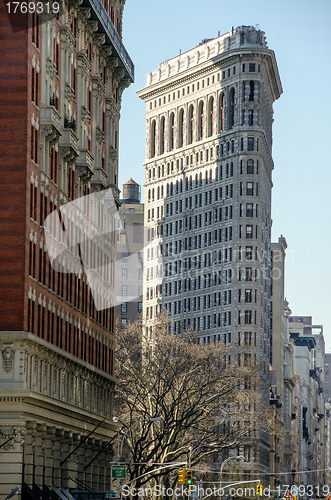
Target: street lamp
[{"x": 239, "y": 458}]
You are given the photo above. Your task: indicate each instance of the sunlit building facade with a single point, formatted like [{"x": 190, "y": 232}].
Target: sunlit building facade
[{"x": 208, "y": 167}]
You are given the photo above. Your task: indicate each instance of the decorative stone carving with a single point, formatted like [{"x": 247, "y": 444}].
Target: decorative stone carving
[
  {"x": 83, "y": 63},
  {"x": 85, "y": 115},
  {"x": 100, "y": 136},
  {"x": 84, "y": 13},
  {"x": 51, "y": 67},
  {"x": 123, "y": 84},
  {"x": 8, "y": 359},
  {"x": 112, "y": 153},
  {"x": 99, "y": 39},
  {"x": 113, "y": 62},
  {"x": 98, "y": 86},
  {"x": 10, "y": 435},
  {"x": 106, "y": 51},
  {"x": 253, "y": 36},
  {"x": 92, "y": 26},
  {"x": 69, "y": 92}
]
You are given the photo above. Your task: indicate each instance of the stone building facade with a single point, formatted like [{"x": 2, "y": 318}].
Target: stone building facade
[
  {"x": 130, "y": 254},
  {"x": 208, "y": 167},
  {"x": 59, "y": 133}
]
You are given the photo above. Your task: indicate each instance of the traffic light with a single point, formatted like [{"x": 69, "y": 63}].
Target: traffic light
[
  {"x": 181, "y": 476},
  {"x": 259, "y": 490},
  {"x": 188, "y": 477}
]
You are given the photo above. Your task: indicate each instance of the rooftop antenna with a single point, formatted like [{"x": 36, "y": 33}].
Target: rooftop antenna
[
  {"x": 180, "y": 51},
  {"x": 219, "y": 33}
]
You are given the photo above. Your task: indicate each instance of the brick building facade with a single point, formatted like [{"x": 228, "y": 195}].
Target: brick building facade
[{"x": 62, "y": 78}]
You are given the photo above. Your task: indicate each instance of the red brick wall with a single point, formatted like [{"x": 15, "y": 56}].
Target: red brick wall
[{"x": 13, "y": 158}]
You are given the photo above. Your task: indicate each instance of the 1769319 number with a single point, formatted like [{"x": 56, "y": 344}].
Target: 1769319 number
[{"x": 31, "y": 7}]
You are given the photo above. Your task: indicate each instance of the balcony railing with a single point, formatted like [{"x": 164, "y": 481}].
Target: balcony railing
[{"x": 114, "y": 36}]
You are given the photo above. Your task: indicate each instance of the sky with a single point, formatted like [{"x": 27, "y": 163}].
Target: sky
[{"x": 298, "y": 31}]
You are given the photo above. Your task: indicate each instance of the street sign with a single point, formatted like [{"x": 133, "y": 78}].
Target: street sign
[{"x": 118, "y": 471}]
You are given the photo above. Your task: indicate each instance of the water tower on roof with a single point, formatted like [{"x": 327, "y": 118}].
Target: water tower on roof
[{"x": 131, "y": 192}]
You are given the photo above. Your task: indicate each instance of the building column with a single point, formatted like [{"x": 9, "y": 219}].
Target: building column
[
  {"x": 67, "y": 448},
  {"x": 40, "y": 454},
  {"x": 95, "y": 465},
  {"x": 29, "y": 448},
  {"x": 49, "y": 456},
  {"x": 89, "y": 450},
  {"x": 57, "y": 457}
]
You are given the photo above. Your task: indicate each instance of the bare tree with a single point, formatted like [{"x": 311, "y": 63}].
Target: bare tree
[{"x": 200, "y": 392}]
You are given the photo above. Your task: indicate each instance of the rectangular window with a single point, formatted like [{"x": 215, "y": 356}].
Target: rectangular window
[
  {"x": 248, "y": 274},
  {"x": 248, "y": 295},
  {"x": 251, "y": 67},
  {"x": 249, "y": 210},
  {"x": 124, "y": 256},
  {"x": 250, "y": 144},
  {"x": 249, "y": 253},
  {"x": 124, "y": 290},
  {"x": 249, "y": 231},
  {"x": 140, "y": 307},
  {"x": 124, "y": 274},
  {"x": 248, "y": 317},
  {"x": 124, "y": 307},
  {"x": 249, "y": 189}
]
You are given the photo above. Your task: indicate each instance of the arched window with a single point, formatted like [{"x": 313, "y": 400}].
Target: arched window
[
  {"x": 200, "y": 122},
  {"x": 162, "y": 135},
  {"x": 181, "y": 129},
  {"x": 176, "y": 187},
  {"x": 181, "y": 186},
  {"x": 162, "y": 192},
  {"x": 190, "y": 181},
  {"x": 210, "y": 116},
  {"x": 171, "y": 189},
  {"x": 250, "y": 167},
  {"x": 231, "y": 108},
  {"x": 149, "y": 195},
  {"x": 153, "y": 194},
  {"x": 196, "y": 180},
  {"x": 206, "y": 176},
  {"x": 190, "y": 124},
  {"x": 221, "y": 113},
  {"x": 171, "y": 131},
  {"x": 158, "y": 192},
  {"x": 200, "y": 179},
  {"x": 251, "y": 91},
  {"x": 210, "y": 175},
  {"x": 153, "y": 138}
]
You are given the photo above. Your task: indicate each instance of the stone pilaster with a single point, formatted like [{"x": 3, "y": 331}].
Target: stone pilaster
[
  {"x": 29, "y": 448},
  {"x": 49, "y": 455},
  {"x": 40, "y": 454}
]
